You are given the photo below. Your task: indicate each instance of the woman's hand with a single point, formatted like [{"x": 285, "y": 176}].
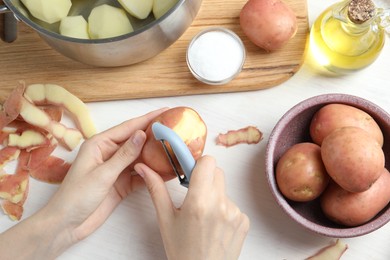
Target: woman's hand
[
  {"x": 100, "y": 178},
  {"x": 208, "y": 225},
  {"x": 95, "y": 184}
]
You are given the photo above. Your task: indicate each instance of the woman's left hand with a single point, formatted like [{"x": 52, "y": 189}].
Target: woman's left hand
[{"x": 100, "y": 178}]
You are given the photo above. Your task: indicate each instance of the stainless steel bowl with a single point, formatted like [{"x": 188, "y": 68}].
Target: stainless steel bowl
[{"x": 151, "y": 37}]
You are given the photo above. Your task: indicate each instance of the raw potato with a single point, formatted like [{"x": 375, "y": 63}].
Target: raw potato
[
  {"x": 51, "y": 11},
  {"x": 269, "y": 24},
  {"x": 139, "y": 9},
  {"x": 160, "y": 7},
  {"x": 353, "y": 158},
  {"x": 188, "y": 124},
  {"x": 333, "y": 116},
  {"x": 356, "y": 208},
  {"x": 300, "y": 173},
  {"x": 106, "y": 21},
  {"x": 74, "y": 26}
]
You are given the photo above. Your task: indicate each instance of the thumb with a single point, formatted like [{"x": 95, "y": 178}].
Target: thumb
[{"x": 158, "y": 191}]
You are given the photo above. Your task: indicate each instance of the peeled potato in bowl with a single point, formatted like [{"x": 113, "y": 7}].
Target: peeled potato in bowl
[
  {"x": 113, "y": 43},
  {"x": 106, "y": 21}
]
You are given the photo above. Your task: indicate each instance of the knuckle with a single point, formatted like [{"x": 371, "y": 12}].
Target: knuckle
[
  {"x": 245, "y": 223},
  {"x": 199, "y": 209},
  {"x": 210, "y": 158},
  {"x": 127, "y": 152},
  {"x": 152, "y": 188}
]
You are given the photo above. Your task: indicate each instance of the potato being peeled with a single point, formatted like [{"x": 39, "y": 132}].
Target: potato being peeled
[
  {"x": 352, "y": 158},
  {"x": 187, "y": 123},
  {"x": 269, "y": 24},
  {"x": 300, "y": 173}
]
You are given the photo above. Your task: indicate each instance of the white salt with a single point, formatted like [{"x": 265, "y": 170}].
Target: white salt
[{"x": 216, "y": 56}]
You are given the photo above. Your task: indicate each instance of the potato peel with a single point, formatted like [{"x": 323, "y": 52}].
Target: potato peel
[
  {"x": 11, "y": 107},
  {"x": 13, "y": 210},
  {"x": 69, "y": 137},
  {"x": 44, "y": 94},
  {"x": 248, "y": 135},
  {"x": 30, "y": 131},
  {"x": 53, "y": 170},
  {"x": 8, "y": 154},
  {"x": 331, "y": 252},
  {"x": 13, "y": 187}
]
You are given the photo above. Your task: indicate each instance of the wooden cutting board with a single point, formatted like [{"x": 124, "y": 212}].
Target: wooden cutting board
[{"x": 31, "y": 60}]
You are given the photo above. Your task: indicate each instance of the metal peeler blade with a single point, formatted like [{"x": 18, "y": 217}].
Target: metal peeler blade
[{"x": 180, "y": 150}]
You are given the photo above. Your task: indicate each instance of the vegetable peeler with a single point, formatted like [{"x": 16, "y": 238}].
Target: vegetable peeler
[{"x": 180, "y": 151}]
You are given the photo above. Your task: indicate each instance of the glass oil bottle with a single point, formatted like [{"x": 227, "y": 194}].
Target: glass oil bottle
[{"x": 348, "y": 36}]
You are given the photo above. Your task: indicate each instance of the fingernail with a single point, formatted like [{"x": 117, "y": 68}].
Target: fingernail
[
  {"x": 138, "y": 138},
  {"x": 139, "y": 171}
]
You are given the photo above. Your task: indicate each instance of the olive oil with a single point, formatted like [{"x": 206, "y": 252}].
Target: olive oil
[{"x": 340, "y": 44}]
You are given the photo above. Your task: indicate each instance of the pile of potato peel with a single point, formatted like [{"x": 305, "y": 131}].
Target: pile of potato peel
[{"x": 30, "y": 120}]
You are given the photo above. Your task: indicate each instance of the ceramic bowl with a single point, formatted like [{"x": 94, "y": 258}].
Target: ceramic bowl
[
  {"x": 150, "y": 37},
  {"x": 293, "y": 128}
]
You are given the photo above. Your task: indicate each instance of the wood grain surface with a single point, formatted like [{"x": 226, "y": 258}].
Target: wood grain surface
[{"x": 31, "y": 60}]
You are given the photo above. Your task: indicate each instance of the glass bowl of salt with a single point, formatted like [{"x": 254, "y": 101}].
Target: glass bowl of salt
[{"x": 215, "y": 56}]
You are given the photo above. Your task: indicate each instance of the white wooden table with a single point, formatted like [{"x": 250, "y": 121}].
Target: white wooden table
[{"x": 132, "y": 231}]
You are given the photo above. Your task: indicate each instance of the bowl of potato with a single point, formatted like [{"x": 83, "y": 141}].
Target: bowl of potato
[
  {"x": 327, "y": 165},
  {"x": 107, "y": 33}
]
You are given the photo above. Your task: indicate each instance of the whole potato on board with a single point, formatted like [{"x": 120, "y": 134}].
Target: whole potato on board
[
  {"x": 269, "y": 24},
  {"x": 300, "y": 172},
  {"x": 352, "y": 158},
  {"x": 333, "y": 116},
  {"x": 356, "y": 208}
]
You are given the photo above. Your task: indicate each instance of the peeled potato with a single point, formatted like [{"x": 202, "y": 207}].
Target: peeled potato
[
  {"x": 106, "y": 21},
  {"x": 138, "y": 9},
  {"x": 160, "y": 7},
  {"x": 48, "y": 11},
  {"x": 74, "y": 26}
]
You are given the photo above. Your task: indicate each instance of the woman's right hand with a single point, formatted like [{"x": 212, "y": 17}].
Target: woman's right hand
[{"x": 208, "y": 225}]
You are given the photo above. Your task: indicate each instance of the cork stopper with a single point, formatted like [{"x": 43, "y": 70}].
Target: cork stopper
[{"x": 360, "y": 11}]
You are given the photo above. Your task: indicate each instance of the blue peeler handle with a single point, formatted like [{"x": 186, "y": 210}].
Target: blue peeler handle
[{"x": 180, "y": 149}]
